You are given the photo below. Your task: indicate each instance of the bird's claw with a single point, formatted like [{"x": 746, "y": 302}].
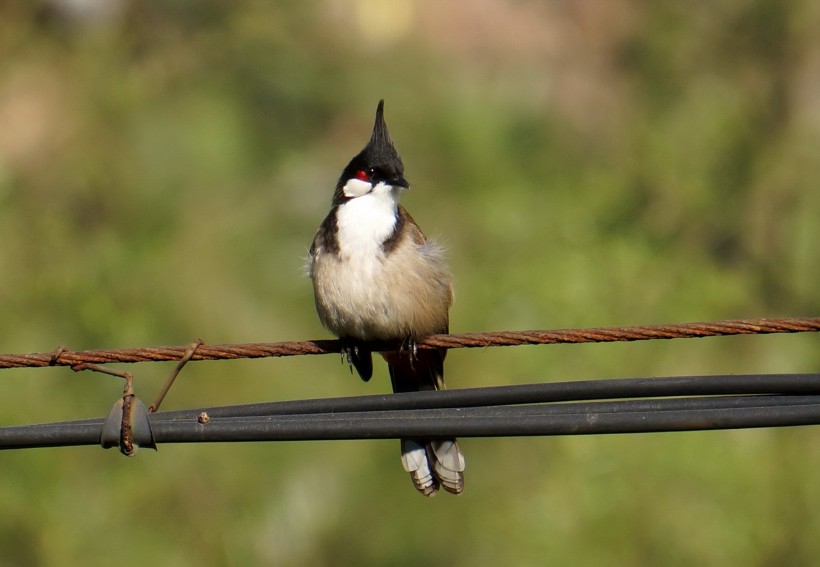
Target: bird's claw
[
  {"x": 410, "y": 347},
  {"x": 348, "y": 352}
]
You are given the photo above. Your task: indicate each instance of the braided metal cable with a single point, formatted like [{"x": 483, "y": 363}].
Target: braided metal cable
[{"x": 65, "y": 357}]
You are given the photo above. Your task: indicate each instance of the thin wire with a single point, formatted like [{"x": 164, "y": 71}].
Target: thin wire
[{"x": 64, "y": 357}]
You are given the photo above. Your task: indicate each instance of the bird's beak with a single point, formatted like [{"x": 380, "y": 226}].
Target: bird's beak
[{"x": 400, "y": 182}]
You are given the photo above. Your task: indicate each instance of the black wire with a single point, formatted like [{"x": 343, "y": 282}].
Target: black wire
[
  {"x": 739, "y": 401},
  {"x": 455, "y": 423},
  {"x": 719, "y": 385}
]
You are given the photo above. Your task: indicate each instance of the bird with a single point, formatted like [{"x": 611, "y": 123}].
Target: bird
[{"x": 376, "y": 277}]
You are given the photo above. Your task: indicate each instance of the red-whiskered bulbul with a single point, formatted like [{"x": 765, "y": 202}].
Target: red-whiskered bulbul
[{"x": 377, "y": 277}]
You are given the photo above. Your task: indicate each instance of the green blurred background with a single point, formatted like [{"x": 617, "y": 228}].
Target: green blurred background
[{"x": 163, "y": 166}]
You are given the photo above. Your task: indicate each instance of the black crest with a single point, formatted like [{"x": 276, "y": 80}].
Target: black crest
[{"x": 378, "y": 161}]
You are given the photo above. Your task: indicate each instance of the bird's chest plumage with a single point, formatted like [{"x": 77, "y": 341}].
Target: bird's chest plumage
[
  {"x": 368, "y": 290},
  {"x": 350, "y": 281},
  {"x": 363, "y": 226}
]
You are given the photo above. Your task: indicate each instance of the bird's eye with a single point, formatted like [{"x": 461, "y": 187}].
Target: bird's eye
[{"x": 362, "y": 175}]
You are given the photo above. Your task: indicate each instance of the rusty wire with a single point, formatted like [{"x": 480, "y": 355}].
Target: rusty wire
[{"x": 65, "y": 357}]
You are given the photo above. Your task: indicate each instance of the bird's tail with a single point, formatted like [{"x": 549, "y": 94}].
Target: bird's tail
[{"x": 432, "y": 463}]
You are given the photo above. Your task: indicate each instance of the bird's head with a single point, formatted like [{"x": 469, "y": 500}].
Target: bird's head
[{"x": 377, "y": 167}]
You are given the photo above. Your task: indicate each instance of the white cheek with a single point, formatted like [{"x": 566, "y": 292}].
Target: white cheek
[{"x": 356, "y": 188}]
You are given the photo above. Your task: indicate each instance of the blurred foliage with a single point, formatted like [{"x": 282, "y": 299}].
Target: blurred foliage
[{"x": 163, "y": 166}]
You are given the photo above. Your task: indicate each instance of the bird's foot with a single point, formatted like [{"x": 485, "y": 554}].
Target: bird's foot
[
  {"x": 410, "y": 347},
  {"x": 349, "y": 351},
  {"x": 357, "y": 357}
]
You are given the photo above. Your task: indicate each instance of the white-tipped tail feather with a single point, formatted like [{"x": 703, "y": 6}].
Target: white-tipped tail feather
[
  {"x": 436, "y": 463},
  {"x": 448, "y": 464},
  {"x": 414, "y": 459}
]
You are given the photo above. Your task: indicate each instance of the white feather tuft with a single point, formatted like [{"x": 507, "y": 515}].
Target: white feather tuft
[{"x": 357, "y": 188}]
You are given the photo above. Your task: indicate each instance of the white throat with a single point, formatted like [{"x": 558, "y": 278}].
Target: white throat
[{"x": 365, "y": 222}]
